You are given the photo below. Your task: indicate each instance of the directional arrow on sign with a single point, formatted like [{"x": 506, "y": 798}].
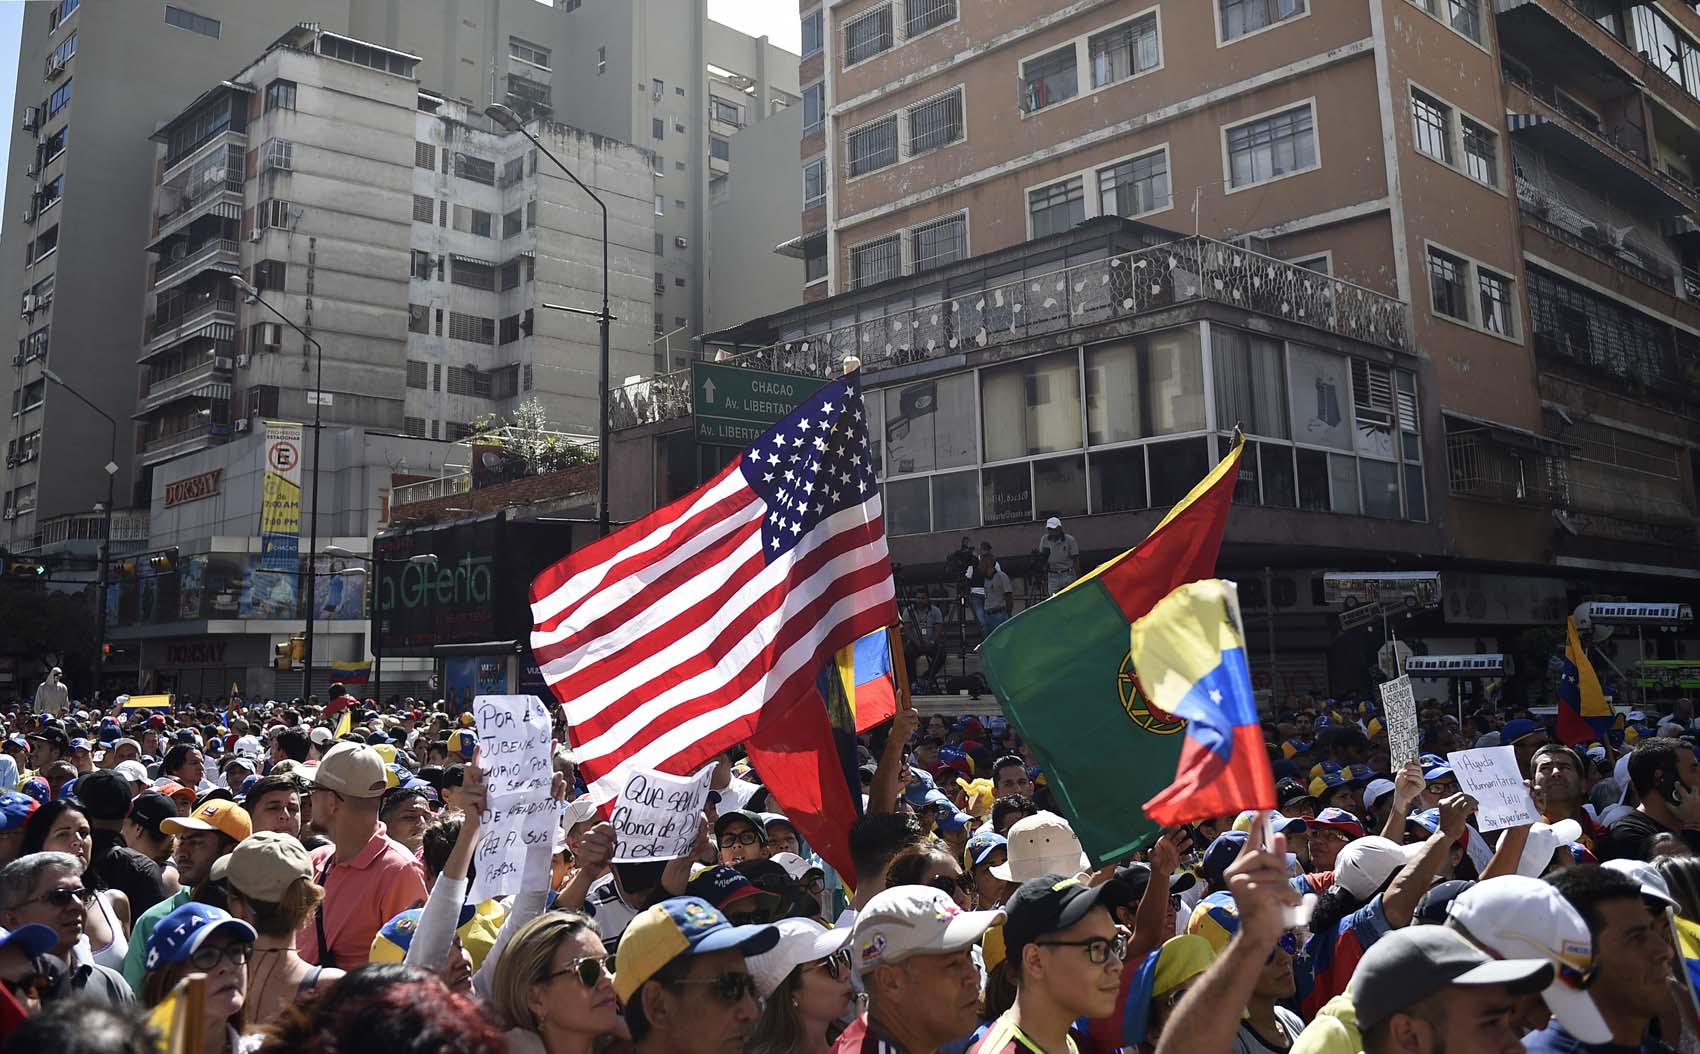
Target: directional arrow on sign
[{"x": 708, "y": 390}]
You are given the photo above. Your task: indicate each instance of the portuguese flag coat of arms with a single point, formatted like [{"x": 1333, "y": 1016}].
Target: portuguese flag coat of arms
[{"x": 1063, "y": 673}]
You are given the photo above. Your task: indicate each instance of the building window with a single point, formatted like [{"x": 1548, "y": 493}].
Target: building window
[
  {"x": 1498, "y": 311},
  {"x": 814, "y": 183},
  {"x": 814, "y": 24},
  {"x": 1136, "y": 186},
  {"x": 1124, "y": 51},
  {"x": 472, "y": 327},
  {"x": 876, "y": 261},
  {"x": 278, "y": 154},
  {"x": 472, "y": 274},
  {"x": 1049, "y": 79},
  {"x": 273, "y": 212},
  {"x": 59, "y": 99},
  {"x": 512, "y": 223},
  {"x": 417, "y": 372},
  {"x": 525, "y": 51},
  {"x": 413, "y": 426},
  {"x": 814, "y": 107},
  {"x": 418, "y": 321},
  {"x": 62, "y": 54},
  {"x": 923, "y": 15},
  {"x": 938, "y": 243},
  {"x": 660, "y": 206},
  {"x": 1031, "y": 407},
  {"x": 1432, "y": 124},
  {"x": 476, "y": 169},
  {"x": 721, "y": 110},
  {"x": 1464, "y": 16},
  {"x": 1271, "y": 147},
  {"x": 1057, "y": 208},
  {"x": 1446, "y": 285},
  {"x": 176, "y": 16},
  {"x": 61, "y": 11},
  {"x": 271, "y": 274},
  {"x": 421, "y": 209},
  {"x": 601, "y": 60},
  {"x": 719, "y": 149},
  {"x": 511, "y": 275},
  {"x": 872, "y": 146},
  {"x": 814, "y": 259},
  {"x": 867, "y": 35},
  {"x": 658, "y": 128},
  {"x": 50, "y": 192},
  {"x": 1243, "y": 17},
  {"x": 280, "y": 95},
  {"x": 935, "y": 122},
  {"x": 1481, "y": 153},
  {"x": 473, "y": 221},
  {"x": 54, "y": 145},
  {"x": 424, "y": 156}
]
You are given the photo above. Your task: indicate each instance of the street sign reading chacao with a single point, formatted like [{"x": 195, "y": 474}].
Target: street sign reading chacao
[{"x": 732, "y": 405}]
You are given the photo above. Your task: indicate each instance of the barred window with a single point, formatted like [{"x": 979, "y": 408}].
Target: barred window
[
  {"x": 413, "y": 426},
  {"x": 417, "y": 373},
  {"x": 418, "y": 320},
  {"x": 421, "y": 209},
  {"x": 1432, "y": 126},
  {"x": 1499, "y": 314},
  {"x": 472, "y": 327},
  {"x": 936, "y": 122},
  {"x": 424, "y": 156},
  {"x": 1058, "y": 207},
  {"x": 1446, "y": 285},
  {"x": 922, "y": 15},
  {"x": 1124, "y": 51},
  {"x": 1481, "y": 153},
  {"x": 938, "y": 243},
  {"x": 1136, "y": 186},
  {"x": 873, "y": 146},
  {"x": 472, "y": 274},
  {"x": 277, "y": 154},
  {"x": 876, "y": 261},
  {"x": 457, "y": 430},
  {"x": 477, "y": 169},
  {"x": 867, "y": 35}
]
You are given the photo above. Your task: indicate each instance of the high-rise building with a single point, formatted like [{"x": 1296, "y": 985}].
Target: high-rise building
[{"x": 1437, "y": 258}]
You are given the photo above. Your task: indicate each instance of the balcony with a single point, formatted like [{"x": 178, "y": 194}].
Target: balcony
[
  {"x": 1497, "y": 463},
  {"x": 212, "y": 372},
  {"x": 1555, "y": 219},
  {"x": 219, "y": 197},
  {"x": 214, "y": 317},
  {"x": 431, "y": 489},
  {"x": 1166, "y": 275},
  {"x": 223, "y": 253}
]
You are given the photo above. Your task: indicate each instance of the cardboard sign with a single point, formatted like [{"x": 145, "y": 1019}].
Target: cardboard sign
[
  {"x": 657, "y": 815},
  {"x": 1399, "y": 715},
  {"x": 517, "y": 833},
  {"x": 1490, "y": 775}
]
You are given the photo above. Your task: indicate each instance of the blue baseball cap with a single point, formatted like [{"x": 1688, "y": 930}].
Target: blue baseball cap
[
  {"x": 18, "y": 741},
  {"x": 1220, "y": 854},
  {"x": 34, "y": 940},
  {"x": 180, "y": 934},
  {"x": 1434, "y": 772},
  {"x": 680, "y": 926},
  {"x": 952, "y": 820},
  {"x": 984, "y": 842},
  {"x": 15, "y": 809},
  {"x": 80, "y": 744},
  {"x": 37, "y": 788},
  {"x": 1518, "y": 729}
]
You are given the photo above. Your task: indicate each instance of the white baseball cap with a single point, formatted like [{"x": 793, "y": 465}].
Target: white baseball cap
[
  {"x": 795, "y": 866},
  {"x": 134, "y": 771},
  {"x": 248, "y": 746},
  {"x": 1053, "y": 523},
  {"x": 1041, "y": 844},
  {"x": 914, "y": 920},
  {"x": 1365, "y": 863},
  {"x": 1653, "y": 885},
  {"x": 1374, "y": 790},
  {"x": 1518, "y": 917},
  {"x": 577, "y": 811},
  {"x": 801, "y": 941},
  {"x": 1545, "y": 840},
  {"x": 321, "y": 735}
]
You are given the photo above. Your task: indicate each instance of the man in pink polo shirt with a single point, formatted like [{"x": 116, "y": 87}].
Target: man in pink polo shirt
[{"x": 369, "y": 878}]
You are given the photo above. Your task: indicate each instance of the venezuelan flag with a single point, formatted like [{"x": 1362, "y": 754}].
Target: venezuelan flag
[
  {"x": 1688, "y": 941},
  {"x": 1065, "y": 679},
  {"x": 1583, "y": 715},
  {"x": 874, "y": 697},
  {"x": 1190, "y": 654}
]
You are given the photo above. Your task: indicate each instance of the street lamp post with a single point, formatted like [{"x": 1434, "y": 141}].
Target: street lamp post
[
  {"x": 253, "y": 297},
  {"x": 99, "y": 664},
  {"x": 378, "y": 563},
  {"x": 505, "y": 117}
]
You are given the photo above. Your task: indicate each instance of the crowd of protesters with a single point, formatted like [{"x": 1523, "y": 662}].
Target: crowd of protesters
[{"x": 320, "y": 885}]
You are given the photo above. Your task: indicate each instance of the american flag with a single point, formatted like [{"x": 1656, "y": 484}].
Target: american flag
[{"x": 665, "y": 641}]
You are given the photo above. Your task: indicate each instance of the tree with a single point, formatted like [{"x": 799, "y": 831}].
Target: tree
[{"x": 527, "y": 437}]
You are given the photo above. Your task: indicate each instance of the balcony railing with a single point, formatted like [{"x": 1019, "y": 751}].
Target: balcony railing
[
  {"x": 1560, "y": 225},
  {"x": 210, "y": 192},
  {"x": 1479, "y": 467},
  {"x": 1184, "y": 271},
  {"x": 160, "y": 327},
  {"x": 207, "y": 369},
  {"x": 197, "y": 254},
  {"x": 429, "y": 489}
]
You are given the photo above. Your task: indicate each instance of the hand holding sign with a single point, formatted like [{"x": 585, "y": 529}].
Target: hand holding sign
[
  {"x": 658, "y": 816},
  {"x": 512, "y": 781},
  {"x": 1490, "y": 775},
  {"x": 1399, "y": 714}
]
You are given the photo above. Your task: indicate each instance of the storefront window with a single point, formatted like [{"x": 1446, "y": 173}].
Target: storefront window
[
  {"x": 1175, "y": 467},
  {"x": 1059, "y": 487},
  {"x": 956, "y": 500},
  {"x": 1117, "y": 480},
  {"x": 930, "y": 425},
  {"x": 906, "y": 507},
  {"x": 1007, "y": 494}
]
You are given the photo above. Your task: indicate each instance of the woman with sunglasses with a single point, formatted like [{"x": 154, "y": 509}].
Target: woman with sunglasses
[
  {"x": 804, "y": 982},
  {"x": 62, "y": 827},
  {"x": 931, "y": 864},
  {"x": 198, "y": 938},
  {"x": 553, "y": 990}
]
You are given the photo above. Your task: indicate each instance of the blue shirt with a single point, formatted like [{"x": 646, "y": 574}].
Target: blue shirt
[{"x": 1554, "y": 1040}]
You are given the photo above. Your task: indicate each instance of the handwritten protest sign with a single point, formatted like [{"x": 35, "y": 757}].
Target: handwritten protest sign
[
  {"x": 1399, "y": 714},
  {"x": 1490, "y": 775},
  {"x": 656, "y": 815},
  {"x": 517, "y": 832}
]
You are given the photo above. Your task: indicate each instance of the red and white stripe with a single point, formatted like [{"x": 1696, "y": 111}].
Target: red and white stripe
[{"x": 665, "y": 641}]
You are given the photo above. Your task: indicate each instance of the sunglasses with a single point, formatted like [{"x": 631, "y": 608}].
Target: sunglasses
[
  {"x": 63, "y": 896},
  {"x": 44, "y": 979},
  {"x": 729, "y": 986},
  {"x": 207, "y": 957},
  {"x": 1287, "y": 942},
  {"x": 1098, "y": 949},
  {"x": 589, "y": 970}
]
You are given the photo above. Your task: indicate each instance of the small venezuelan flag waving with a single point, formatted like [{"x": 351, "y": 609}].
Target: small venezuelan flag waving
[
  {"x": 1583, "y": 715},
  {"x": 1190, "y": 654}
]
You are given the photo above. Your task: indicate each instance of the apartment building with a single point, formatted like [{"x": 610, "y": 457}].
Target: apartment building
[
  {"x": 1479, "y": 218},
  {"x": 660, "y": 74}
]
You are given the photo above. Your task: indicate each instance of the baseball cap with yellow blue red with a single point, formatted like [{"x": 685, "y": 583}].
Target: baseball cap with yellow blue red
[
  {"x": 912, "y": 920},
  {"x": 680, "y": 926}
]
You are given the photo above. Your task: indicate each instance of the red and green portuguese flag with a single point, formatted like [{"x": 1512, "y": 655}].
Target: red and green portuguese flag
[{"x": 1063, "y": 673}]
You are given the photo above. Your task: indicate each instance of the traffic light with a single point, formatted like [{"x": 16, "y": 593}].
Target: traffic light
[
  {"x": 298, "y": 648},
  {"x": 16, "y": 568},
  {"x": 282, "y": 660}
]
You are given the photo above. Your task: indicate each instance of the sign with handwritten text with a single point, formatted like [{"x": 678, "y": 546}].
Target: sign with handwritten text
[
  {"x": 1490, "y": 775},
  {"x": 1399, "y": 714},
  {"x": 657, "y": 815},
  {"x": 517, "y": 832}
]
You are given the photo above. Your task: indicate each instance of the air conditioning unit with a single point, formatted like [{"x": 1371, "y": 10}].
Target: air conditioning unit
[
  {"x": 255, "y": 234},
  {"x": 243, "y": 358},
  {"x": 28, "y": 455},
  {"x": 33, "y": 171},
  {"x": 241, "y": 424},
  {"x": 222, "y": 362},
  {"x": 35, "y": 189},
  {"x": 55, "y": 65},
  {"x": 32, "y": 118},
  {"x": 29, "y": 212},
  {"x": 682, "y": 242},
  {"x": 29, "y": 304},
  {"x": 10, "y": 514}
]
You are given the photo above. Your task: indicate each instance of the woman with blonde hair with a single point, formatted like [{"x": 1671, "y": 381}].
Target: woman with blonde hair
[
  {"x": 804, "y": 983},
  {"x": 270, "y": 878},
  {"x": 553, "y": 990}
]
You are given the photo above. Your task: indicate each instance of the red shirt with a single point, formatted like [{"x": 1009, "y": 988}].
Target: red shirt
[{"x": 360, "y": 896}]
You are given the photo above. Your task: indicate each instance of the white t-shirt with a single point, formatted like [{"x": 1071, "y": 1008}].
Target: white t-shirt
[{"x": 1247, "y": 1041}]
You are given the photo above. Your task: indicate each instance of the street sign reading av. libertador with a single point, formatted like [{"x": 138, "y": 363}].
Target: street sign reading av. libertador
[{"x": 733, "y": 405}]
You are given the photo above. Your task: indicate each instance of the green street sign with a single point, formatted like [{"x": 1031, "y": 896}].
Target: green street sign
[{"x": 734, "y": 406}]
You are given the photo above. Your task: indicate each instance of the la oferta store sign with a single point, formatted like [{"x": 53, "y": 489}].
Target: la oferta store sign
[{"x": 192, "y": 488}]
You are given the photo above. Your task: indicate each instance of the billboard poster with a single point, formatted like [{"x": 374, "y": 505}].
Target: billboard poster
[
  {"x": 339, "y": 588},
  {"x": 464, "y": 679},
  {"x": 271, "y": 585}
]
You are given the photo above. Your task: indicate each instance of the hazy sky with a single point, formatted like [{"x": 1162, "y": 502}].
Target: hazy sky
[
  {"x": 11, "y": 27},
  {"x": 775, "y": 18}
]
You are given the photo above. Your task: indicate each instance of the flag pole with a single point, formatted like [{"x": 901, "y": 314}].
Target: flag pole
[{"x": 899, "y": 666}]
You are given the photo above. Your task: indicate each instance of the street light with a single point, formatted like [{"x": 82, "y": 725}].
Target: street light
[
  {"x": 377, "y": 604},
  {"x": 509, "y": 120},
  {"x": 99, "y": 665},
  {"x": 252, "y": 295}
]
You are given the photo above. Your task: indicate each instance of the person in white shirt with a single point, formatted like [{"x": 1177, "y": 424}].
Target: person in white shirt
[{"x": 52, "y": 697}]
